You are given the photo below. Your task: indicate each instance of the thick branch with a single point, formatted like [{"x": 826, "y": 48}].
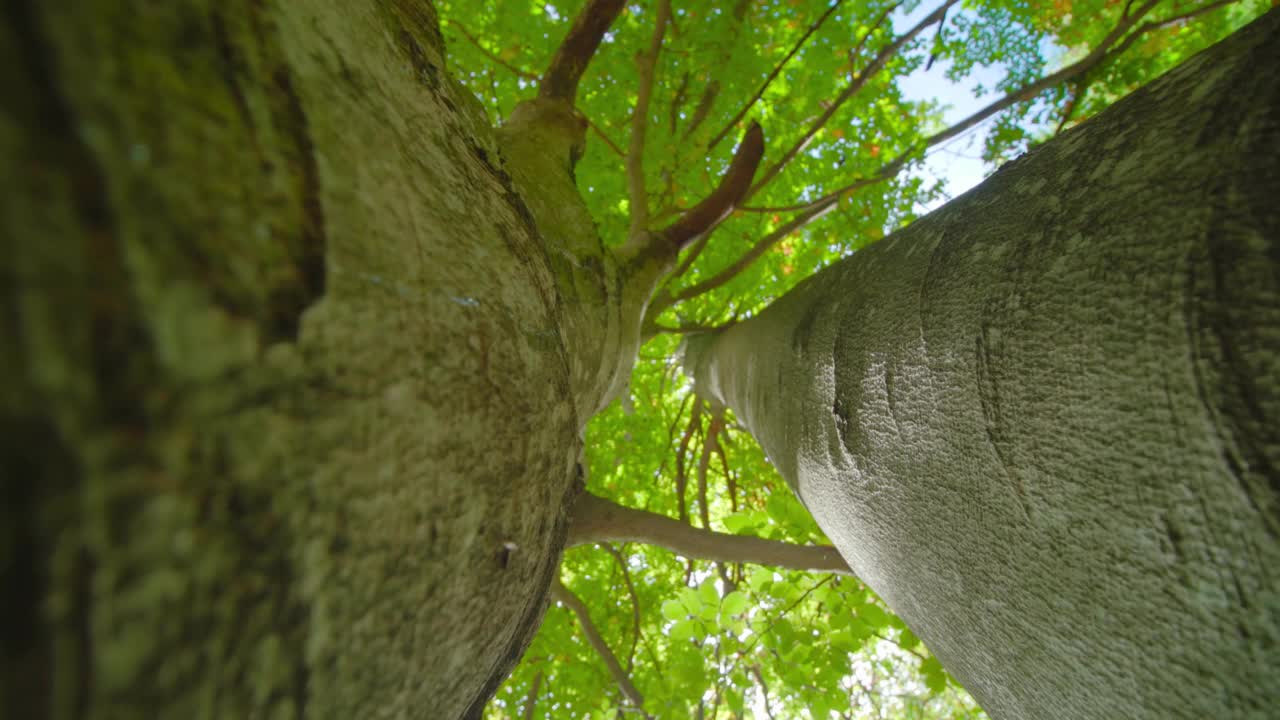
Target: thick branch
[
  {"x": 732, "y": 188},
  {"x": 808, "y": 215},
  {"x": 575, "y": 604},
  {"x": 579, "y": 46},
  {"x": 596, "y": 520}
]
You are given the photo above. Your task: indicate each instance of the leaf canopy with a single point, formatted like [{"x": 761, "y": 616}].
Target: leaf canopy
[{"x": 824, "y": 78}]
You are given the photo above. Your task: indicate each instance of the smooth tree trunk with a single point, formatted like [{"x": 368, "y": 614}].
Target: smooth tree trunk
[
  {"x": 1043, "y": 421},
  {"x": 297, "y": 352}
]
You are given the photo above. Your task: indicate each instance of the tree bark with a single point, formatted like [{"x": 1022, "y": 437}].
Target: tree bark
[
  {"x": 595, "y": 519},
  {"x": 294, "y": 381},
  {"x": 1041, "y": 422}
]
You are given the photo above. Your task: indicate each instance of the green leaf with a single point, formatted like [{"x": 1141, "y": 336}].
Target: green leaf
[
  {"x": 683, "y": 630},
  {"x": 760, "y": 579},
  {"x": 733, "y": 698},
  {"x": 734, "y": 603},
  {"x": 935, "y": 678},
  {"x": 908, "y": 640},
  {"x": 708, "y": 594},
  {"x": 673, "y": 610},
  {"x": 741, "y": 523},
  {"x": 873, "y": 616},
  {"x": 846, "y": 640}
]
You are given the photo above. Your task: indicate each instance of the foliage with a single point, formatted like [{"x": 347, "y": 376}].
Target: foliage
[{"x": 714, "y": 640}]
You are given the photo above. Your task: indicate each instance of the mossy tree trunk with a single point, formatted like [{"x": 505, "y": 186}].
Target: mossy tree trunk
[
  {"x": 1042, "y": 422},
  {"x": 294, "y": 384}
]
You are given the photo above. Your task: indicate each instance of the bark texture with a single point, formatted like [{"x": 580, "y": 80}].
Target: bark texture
[
  {"x": 290, "y": 365},
  {"x": 595, "y": 519},
  {"x": 1041, "y": 422}
]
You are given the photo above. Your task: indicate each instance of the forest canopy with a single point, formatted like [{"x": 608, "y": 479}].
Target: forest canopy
[{"x": 637, "y": 629}]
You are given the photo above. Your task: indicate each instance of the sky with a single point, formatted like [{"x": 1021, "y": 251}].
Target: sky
[{"x": 957, "y": 162}]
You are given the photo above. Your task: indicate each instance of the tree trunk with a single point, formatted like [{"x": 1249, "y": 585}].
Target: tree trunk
[
  {"x": 294, "y": 383},
  {"x": 1041, "y": 422}
]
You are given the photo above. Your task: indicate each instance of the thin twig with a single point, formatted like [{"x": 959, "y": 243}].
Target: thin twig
[
  {"x": 575, "y": 604},
  {"x": 881, "y": 60},
  {"x": 607, "y": 141},
  {"x": 704, "y": 462},
  {"x": 724, "y": 276},
  {"x": 764, "y": 690},
  {"x": 687, "y": 328},
  {"x": 681, "y": 478},
  {"x": 773, "y": 619},
  {"x": 635, "y": 601},
  {"x": 773, "y": 74},
  {"x": 531, "y": 699},
  {"x": 494, "y": 57}
]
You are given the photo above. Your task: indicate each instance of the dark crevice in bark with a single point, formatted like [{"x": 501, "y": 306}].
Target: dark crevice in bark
[
  {"x": 992, "y": 420},
  {"x": 1211, "y": 305},
  {"x": 288, "y": 304},
  {"x": 117, "y": 337},
  {"x": 1247, "y": 426},
  {"x": 426, "y": 72},
  {"x": 41, "y": 474},
  {"x": 231, "y": 70}
]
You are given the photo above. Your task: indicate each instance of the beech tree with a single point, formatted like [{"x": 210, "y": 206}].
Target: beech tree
[{"x": 302, "y": 350}]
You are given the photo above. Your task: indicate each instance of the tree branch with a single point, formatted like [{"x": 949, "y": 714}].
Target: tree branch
[
  {"x": 731, "y": 190},
  {"x": 1030, "y": 90},
  {"x": 704, "y": 464},
  {"x": 685, "y": 328},
  {"x": 531, "y": 700},
  {"x": 695, "y": 417},
  {"x": 808, "y": 215},
  {"x": 764, "y": 690},
  {"x": 639, "y": 196},
  {"x": 493, "y": 57},
  {"x": 712, "y": 90},
  {"x": 635, "y": 600},
  {"x": 773, "y": 75},
  {"x": 607, "y": 141},
  {"x": 812, "y": 211},
  {"x": 596, "y": 520},
  {"x": 1158, "y": 24},
  {"x": 574, "y": 603},
  {"x": 882, "y": 58},
  {"x": 560, "y": 82}
]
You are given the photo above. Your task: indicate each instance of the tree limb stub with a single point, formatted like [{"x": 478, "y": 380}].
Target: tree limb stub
[
  {"x": 579, "y": 46},
  {"x": 731, "y": 190},
  {"x": 596, "y": 519}
]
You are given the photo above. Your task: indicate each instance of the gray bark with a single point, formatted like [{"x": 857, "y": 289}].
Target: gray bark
[
  {"x": 1041, "y": 422},
  {"x": 595, "y": 519},
  {"x": 297, "y": 353}
]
